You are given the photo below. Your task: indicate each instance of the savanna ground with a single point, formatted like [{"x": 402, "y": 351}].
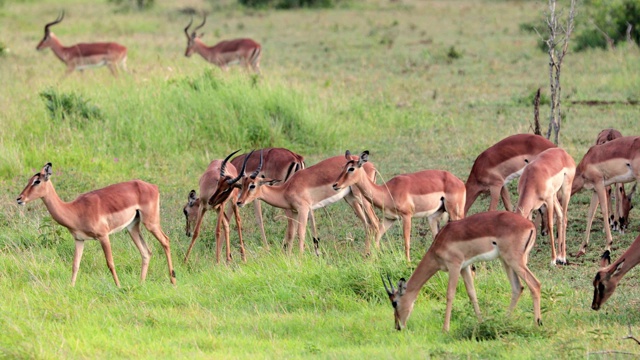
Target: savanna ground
[{"x": 421, "y": 84}]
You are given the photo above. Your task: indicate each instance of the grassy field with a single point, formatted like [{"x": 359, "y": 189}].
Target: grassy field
[{"x": 420, "y": 84}]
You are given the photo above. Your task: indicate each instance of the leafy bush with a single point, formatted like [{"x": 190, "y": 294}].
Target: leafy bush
[
  {"x": 290, "y": 4},
  {"x": 126, "y": 5},
  {"x": 611, "y": 17},
  {"x": 72, "y": 107}
]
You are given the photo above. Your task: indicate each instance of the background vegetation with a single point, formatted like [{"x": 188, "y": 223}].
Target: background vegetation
[{"x": 421, "y": 84}]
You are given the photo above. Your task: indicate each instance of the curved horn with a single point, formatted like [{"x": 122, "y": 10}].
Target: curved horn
[
  {"x": 389, "y": 292},
  {"x": 223, "y": 167},
  {"x": 186, "y": 30},
  {"x": 241, "y": 172},
  {"x": 58, "y": 20},
  {"x": 201, "y": 25},
  {"x": 255, "y": 173}
]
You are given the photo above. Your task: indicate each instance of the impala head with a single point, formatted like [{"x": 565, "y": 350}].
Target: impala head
[
  {"x": 349, "y": 174},
  {"x": 606, "y": 281},
  {"x": 190, "y": 211},
  {"x": 191, "y": 38},
  {"x": 625, "y": 206},
  {"x": 226, "y": 184},
  {"x": 250, "y": 185},
  {"x": 46, "y": 40},
  {"x": 607, "y": 135},
  {"x": 37, "y": 186},
  {"x": 400, "y": 314}
]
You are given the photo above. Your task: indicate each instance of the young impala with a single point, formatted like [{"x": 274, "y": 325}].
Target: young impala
[
  {"x": 307, "y": 190},
  {"x": 609, "y": 275},
  {"x": 617, "y": 161},
  {"x": 428, "y": 193},
  {"x": 495, "y": 167},
  {"x": 96, "y": 214},
  {"x": 218, "y": 171},
  {"x": 550, "y": 174},
  {"x": 245, "y": 51},
  {"x": 84, "y": 55},
  {"x": 480, "y": 237}
]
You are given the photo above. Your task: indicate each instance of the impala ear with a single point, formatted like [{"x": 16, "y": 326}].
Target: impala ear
[
  {"x": 618, "y": 268},
  {"x": 46, "y": 171},
  {"x": 364, "y": 157},
  {"x": 192, "y": 197},
  {"x": 605, "y": 259},
  {"x": 347, "y": 155}
]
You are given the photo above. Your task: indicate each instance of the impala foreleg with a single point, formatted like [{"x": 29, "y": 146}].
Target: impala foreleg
[
  {"x": 196, "y": 231},
  {"x": 590, "y": 215},
  {"x": 454, "y": 275},
  {"x": 406, "y": 232},
  {"x": 106, "y": 247},
  {"x": 143, "y": 248},
  {"x": 506, "y": 198},
  {"x": 495, "y": 192},
  {"x": 258, "y": 212},
  {"x": 77, "y": 256},
  {"x": 550, "y": 204},
  {"x": 236, "y": 213}
]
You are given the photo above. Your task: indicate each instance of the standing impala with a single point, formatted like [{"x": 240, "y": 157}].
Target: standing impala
[
  {"x": 550, "y": 174},
  {"x": 245, "y": 51},
  {"x": 218, "y": 172},
  {"x": 278, "y": 163},
  {"x": 307, "y": 190},
  {"x": 609, "y": 275},
  {"x": 84, "y": 55},
  {"x": 428, "y": 193},
  {"x": 96, "y": 214},
  {"x": 480, "y": 237},
  {"x": 617, "y": 161},
  {"x": 495, "y": 167}
]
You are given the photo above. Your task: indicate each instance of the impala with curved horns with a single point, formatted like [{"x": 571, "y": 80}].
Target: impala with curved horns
[
  {"x": 428, "y": 193},
  {"x": 218, "y": 171},
  {"x": 480, "y": 237},
  {"x": 608, "y": 277},
  {"x": 244, "y": 51},
  {"x": 84, "y": 55},
  {"x": 307, "y": 189},
  {"x": 96, "y": 214}
]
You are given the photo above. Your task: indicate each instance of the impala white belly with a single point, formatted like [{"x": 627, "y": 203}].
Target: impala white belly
[
  {"x": 330, "y": 200},
  {"x": 488, "y": 256},
  {"x": 124, "y": 224},
  {"x": 89, "y": 66},
  {"x": 622, "y": 178},
  {"x": 513, "y": 176}
]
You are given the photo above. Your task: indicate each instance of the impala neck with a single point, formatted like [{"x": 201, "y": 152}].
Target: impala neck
[
  {"x": 630, "y": 259},
  {"x": 378, "y": 194},
  {"x": 274, "y": 196},
  {"x": 427, "y": 267},
  {"x": 202, "y": 49},
  {"x": 60, "y": 211},
  {"x": 57, "y": 48}
]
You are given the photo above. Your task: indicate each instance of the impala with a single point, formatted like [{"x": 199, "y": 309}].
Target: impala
[
  {"x": 278, "y": 163},
  {"x": 609, "y": 275},
  {"x": 480, "y": 237},
  {"x": 96, "y": 214},
  {"x": 217, "y": 172},
  {"x": 495, "y": 167},
  {"x": 428, "y": 193},
  {"x": 84, "y": 55},
  {"x": 545, "y": 181},
  {"x": 307, "y": 190},
  {"x": 617, "y": 161},
  {"x": 244, "y": 51},
  {"x": 619, "y": 214}
]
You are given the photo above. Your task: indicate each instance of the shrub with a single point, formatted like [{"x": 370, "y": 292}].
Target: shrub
[
  {"x": 290, "y": 4},
  {"x": 611, "y": 17},
  {"x": 71, "y": 107}
]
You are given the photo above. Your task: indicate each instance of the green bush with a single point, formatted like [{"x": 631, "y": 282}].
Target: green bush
[
  {"x": 71, "y": 107},
  {"x": 611, "y": 17}
]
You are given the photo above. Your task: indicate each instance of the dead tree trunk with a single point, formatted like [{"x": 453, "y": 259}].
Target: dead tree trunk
[{"x": 558, "y": 45}]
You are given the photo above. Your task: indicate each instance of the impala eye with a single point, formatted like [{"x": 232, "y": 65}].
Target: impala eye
[
  {"x": 351, "y": 169},
  {"x": 252, "y": 186},
  {"x": 36, "y": 182}
]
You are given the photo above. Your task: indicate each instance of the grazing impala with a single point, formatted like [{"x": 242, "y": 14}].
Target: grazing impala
[
  {"x": 96, "y": 214},
  {"x": 550, "y": 174},
  {"x": 218, "y": 171},
  {"x": 609, "y": 275},
  {"x": 480, "y": 237},
  {"x": 617, "y": 161},
  {"x": 428, "y": 193},
  {"x": 247, "y": 52},
  {"x": 278, "y": 163},
  {"x": 619, "y": 214},
  {"x": 84, "y": 55},
  {"x": 495, "y": 167},
  {"x": 307, "y": 190}
]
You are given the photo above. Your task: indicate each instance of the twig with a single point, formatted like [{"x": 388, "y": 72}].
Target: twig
[{"x": 630, "y": 336}]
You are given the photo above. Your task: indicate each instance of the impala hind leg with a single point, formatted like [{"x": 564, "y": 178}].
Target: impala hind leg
[
  {"x": 77, "y": 256},
  {"x": 152, "y": 223},
  {"x": 258, "y": 213},
  {"x": 590, "y": 215},
  {"x": 516, "y": 287},
  {"x": 506, "y": 198},
  {"x": 143, "y": 248},
  {"x": 196, "y": 230},
  {"x": 467, "y": 277},
  {"x": 106, "y": 248}
]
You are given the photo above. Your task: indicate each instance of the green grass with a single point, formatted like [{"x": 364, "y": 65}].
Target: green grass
[{"x": 421, "y": 84}]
